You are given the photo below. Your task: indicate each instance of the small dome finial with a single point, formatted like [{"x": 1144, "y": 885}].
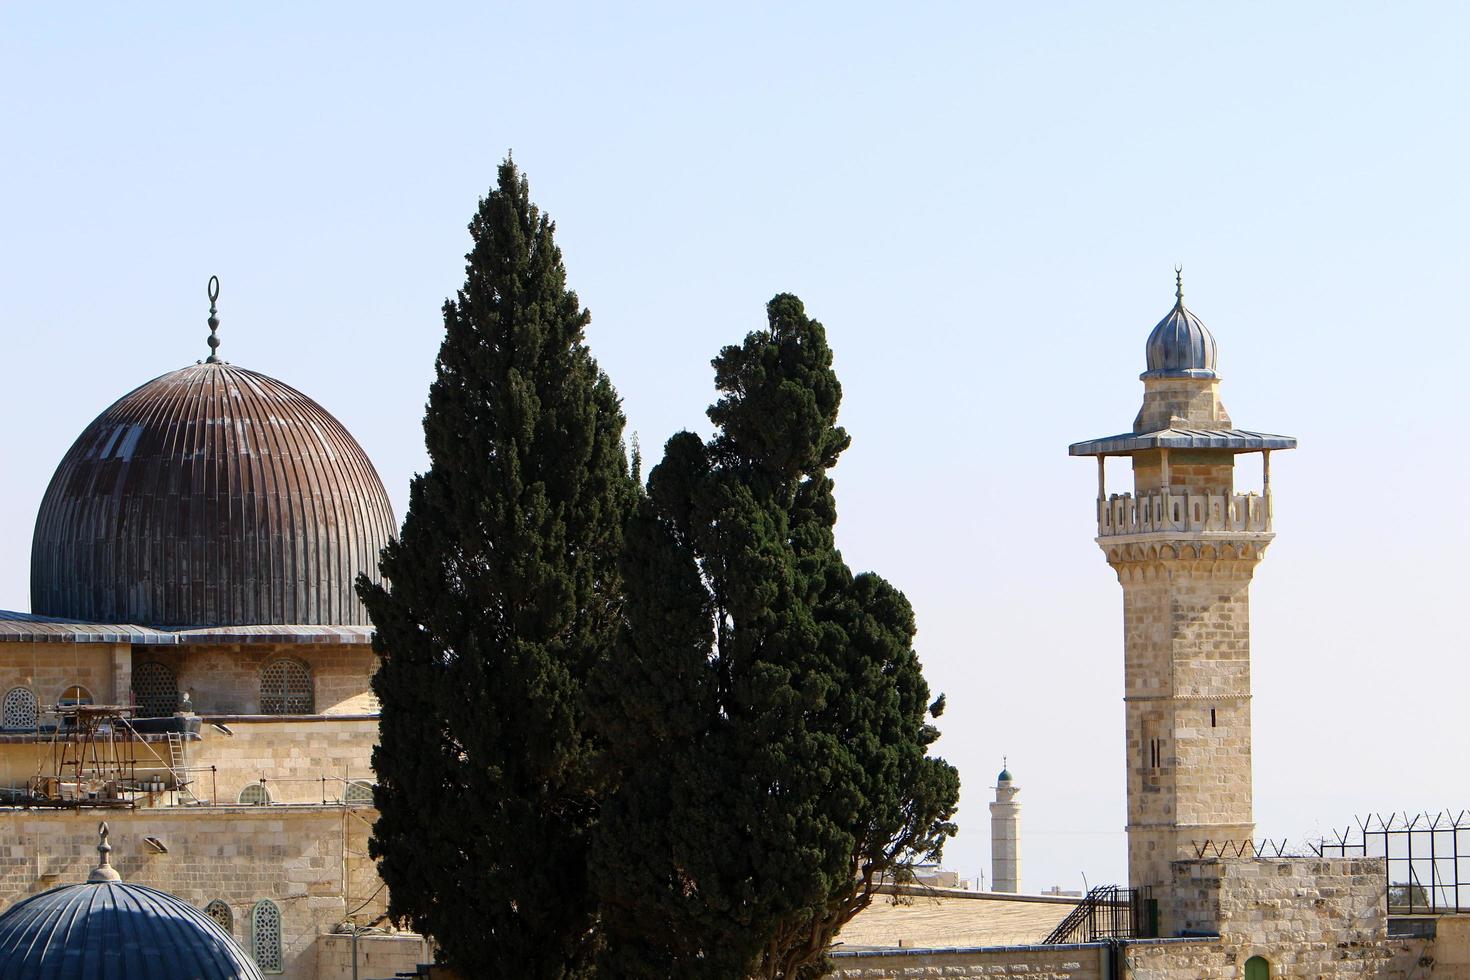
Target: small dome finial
[
  {"x": 104, "y": 870},
  {"x": 213, "y": 357},
  {"x": 1179, "y": 282}
]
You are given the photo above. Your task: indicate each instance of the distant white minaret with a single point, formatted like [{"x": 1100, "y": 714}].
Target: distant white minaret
[{"x": 1005, "y": 835}]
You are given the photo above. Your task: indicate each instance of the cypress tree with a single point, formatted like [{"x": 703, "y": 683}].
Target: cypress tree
[
  {"x": 504, "y": 592},
  {"x": 772, "y": 735}
]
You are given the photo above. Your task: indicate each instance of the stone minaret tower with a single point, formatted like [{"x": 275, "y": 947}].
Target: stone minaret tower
[
  {"x": 1184, "y": 544},
  {"x": 1005, "y": 835}
]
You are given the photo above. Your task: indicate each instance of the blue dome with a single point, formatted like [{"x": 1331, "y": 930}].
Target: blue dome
[
  {"x": 108, "y": 930},
  {"x": 1004, "y": 777},
  {"x": 1181, "y": 346}
]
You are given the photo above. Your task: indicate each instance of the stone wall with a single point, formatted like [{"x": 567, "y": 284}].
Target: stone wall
[
  {"x": 1308, "y": 917},
  {"x": 1187, "y": 690},
  {"x": 378, "y": 956},
  {"x": 292, "y": 756},
  {"x": 1452, "y": 948},
  {"x": 225, "y": 679},
  {"x": 1072, "y": 962},
  {"x": 310, "y": 861},
  {"x": 1387, "y": 959},
  {"x": 1196, "y": 400},
  {"x": 221, "y": 678},
  {"x": 48, "y": 669}
]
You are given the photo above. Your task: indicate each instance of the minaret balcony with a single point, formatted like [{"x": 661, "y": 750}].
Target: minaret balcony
[{"x": 1176, "y": 512}]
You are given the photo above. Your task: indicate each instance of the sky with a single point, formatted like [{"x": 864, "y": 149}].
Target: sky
[{"x": 982, "y": 202}]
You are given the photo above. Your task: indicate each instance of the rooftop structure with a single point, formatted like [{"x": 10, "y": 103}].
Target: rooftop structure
[
  {"x": 106, "y": 929},
  {"x": 210, "y": 496}
]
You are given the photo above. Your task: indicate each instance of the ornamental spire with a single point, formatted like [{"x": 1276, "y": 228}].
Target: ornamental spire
[
  {"x": 213, "y": 357},
  {"x": 104, "y": 870},
  {"x": 1179, "y": 283}
]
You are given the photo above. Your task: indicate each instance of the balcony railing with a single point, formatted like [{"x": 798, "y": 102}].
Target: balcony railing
[{"x": 1181, "y": 512}]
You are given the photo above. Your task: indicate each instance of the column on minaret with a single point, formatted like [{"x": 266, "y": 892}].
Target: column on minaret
[
  {"x": 1184, "y": 544},
  {"x": 1005, "y": 835}
]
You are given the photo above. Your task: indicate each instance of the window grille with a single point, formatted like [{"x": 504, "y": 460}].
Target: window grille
[
  {"x": 358, "y": 791},
  {"x": 73, "y": 696},
  {"x": 19, "y": 710},
  {"x": 285, "y": 689},
  {"x": 220, "y": 912},
  {"x": 265, "y": 936},
  {"x": 255, "y": 794},
  {"x": 156, "y": 690}
]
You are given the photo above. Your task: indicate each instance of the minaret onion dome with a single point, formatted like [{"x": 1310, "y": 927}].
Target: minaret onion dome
[{"x": 1181, "y": 346}]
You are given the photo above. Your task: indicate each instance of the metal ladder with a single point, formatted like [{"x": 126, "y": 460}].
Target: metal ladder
[{"x": 176, "y": 766}]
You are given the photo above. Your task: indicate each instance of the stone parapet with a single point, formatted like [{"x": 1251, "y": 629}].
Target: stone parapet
[
  {"x": 1083, "y": 961},
  {"x": 1173, "y": 512}
]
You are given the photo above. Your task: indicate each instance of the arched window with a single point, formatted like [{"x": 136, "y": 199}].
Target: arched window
[
  {"x": 358, "y": 791},
  {"x": 73, "y": 696},
  {"x": 19, "y": 710},
  {"x": 1256, "y": 968},
  {"x": 285, "y": 689},
  {"x": 156, "y": 690},
  {"x": 265, "y": 936},
  {"x": 255, "y": 794},
  {"x": 220, "y": 912}
]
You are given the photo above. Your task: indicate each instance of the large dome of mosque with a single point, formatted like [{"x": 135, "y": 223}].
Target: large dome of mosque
[{"x": 210, "y": 496}]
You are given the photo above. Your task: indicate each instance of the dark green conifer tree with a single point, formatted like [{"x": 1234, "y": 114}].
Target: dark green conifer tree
[
  {"x": 772, "y": 735},
  {"x": 504, "y": 591}
]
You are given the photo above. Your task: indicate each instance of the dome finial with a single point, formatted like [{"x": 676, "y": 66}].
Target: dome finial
[
  {"x": 1179, "y": 282},
  {"x": 104, "y": 870},
  {"x": 213, "y": 357}
]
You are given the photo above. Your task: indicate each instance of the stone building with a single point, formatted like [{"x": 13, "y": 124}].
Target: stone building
[
  {"x": 1184, "y": 543},
  {"x": 1005, "y": 834},
  {"x": 196, "y": 661}
]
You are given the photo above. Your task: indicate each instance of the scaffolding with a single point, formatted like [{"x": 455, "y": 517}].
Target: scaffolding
[{"x": 93, "y": 759}]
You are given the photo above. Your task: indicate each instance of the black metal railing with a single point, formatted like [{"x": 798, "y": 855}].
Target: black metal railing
[
  {"x": 1426, "y": 858},
  {"x": 1109, "y": 912}
]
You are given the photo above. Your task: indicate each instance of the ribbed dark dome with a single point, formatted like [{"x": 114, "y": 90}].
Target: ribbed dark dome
[
  {"x": 212, "y": 496},
  {"x": 114, "y": 931},
  {"x": 1181, "y": 346}
]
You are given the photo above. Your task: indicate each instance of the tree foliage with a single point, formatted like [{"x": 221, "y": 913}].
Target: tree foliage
[
  {"x": 504, "y": 593},
  {"x": 765, "y": 713}
]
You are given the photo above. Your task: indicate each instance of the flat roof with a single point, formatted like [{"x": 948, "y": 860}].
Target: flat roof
[
  {"x": 1232, "y": 440},
  {"x": 947, "y": 918},
  {"x": 19, "y": 627}
]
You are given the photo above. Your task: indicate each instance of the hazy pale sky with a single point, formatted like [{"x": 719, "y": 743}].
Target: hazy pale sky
[{"x": 983, "y": 202}]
